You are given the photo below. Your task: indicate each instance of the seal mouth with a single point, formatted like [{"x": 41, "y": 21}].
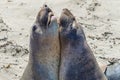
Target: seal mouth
[
  {"x": 50, "y": 18},
  {"x": 45, "y": 16}
]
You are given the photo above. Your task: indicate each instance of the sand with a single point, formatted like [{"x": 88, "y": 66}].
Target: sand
[{"x": 100, "y": 20}]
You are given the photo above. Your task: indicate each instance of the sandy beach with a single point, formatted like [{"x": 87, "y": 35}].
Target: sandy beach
[{"x": 100, "y": 20}]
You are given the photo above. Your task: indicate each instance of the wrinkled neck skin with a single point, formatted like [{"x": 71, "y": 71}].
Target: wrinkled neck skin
[
  {"x": 43, "y": 40},
  {"x": 77, "y": 59},
  {"x": 44, "y": 52}
]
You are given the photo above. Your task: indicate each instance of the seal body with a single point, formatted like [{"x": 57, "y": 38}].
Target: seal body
[
  {"x": 44, "y": 48},
  {"x": 113, "y": 72},
  {"x": 77, "y": 60}
]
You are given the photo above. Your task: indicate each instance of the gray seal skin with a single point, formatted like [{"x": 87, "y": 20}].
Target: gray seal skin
[
  {"x": 77, "y": 60},
  {"x": 113, "y": 72},
  {"x": 44, "y": 48}
]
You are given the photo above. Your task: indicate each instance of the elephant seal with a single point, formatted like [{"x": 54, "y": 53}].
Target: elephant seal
[
  {"x": 113, "y": 71},
  {"x": 44, "y": 48},
  {"x": 77, "y": 60}
]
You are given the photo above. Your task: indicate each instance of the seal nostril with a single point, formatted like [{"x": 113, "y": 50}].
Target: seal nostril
[
  {"x": 34, "y": 28},
  {"x": 45, "y": 5}
]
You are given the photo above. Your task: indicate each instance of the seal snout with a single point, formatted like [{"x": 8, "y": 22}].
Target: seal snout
[
  {"x": 50, "y": 18},
  {"x": 45, "y": 16},
  {"x": 66, "y": 18}
]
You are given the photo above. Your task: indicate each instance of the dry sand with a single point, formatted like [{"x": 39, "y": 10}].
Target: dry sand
[{"x": 99, "y": 18}]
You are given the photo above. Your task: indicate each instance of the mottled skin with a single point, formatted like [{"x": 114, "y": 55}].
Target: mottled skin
[
  {"x": 77, "y": 60},
  {"x": 113, "y": 72},
  {"x": 44, "y": 48}
]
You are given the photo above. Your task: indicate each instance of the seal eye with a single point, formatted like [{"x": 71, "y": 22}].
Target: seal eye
[
  {"x": 34, "y": 28},
  {"x": 74, "y": 31},
  {"x": 72, "y": 34},
  {"x": 73, "y": 18}
]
